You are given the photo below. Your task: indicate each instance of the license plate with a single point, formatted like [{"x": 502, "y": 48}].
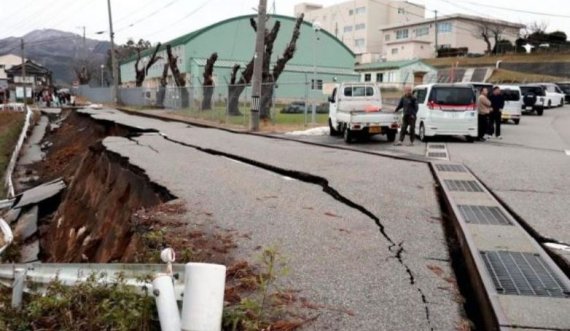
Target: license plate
[
  {"x": 375, "y": 129},
  {"x": 506, "y": 117}
]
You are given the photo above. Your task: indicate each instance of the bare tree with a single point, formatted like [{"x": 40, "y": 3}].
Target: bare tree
[
  {"x": 208, "y": 84},
  {"x": 179, "y": 78},
  {"x": 269, "y": 76},
  {"x": 141, "y": 73},
  {"x": 163, "y": 83},
  {"x": 490, "y": 33}
]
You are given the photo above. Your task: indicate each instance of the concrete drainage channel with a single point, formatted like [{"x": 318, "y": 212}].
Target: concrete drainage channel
[{"x": 516, "y": 283}]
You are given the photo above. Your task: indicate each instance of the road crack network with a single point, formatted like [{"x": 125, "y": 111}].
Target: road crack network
[{"x": 397, "y": 249}]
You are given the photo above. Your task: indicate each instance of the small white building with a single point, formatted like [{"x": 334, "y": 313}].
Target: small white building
[
  {"x": 396, "y": 73},
  {"x": 7, "y": 61},
  {"x": 416, "y": 40}
]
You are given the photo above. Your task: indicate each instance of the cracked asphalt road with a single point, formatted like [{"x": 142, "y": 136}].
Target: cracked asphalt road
[{"x": 327, "y": 222}]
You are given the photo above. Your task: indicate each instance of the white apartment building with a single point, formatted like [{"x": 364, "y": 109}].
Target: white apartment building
[
  {"x": 416, "y": 40},
  {"x": 358, "y": 23}
]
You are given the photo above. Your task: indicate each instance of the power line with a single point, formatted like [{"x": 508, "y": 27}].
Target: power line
[
  {"x": 192, "y": 12},
  {"x": 147, "y": 16},
  {"x": 517, "y": 10}
]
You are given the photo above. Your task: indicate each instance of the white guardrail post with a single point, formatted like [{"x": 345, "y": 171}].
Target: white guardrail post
[
  {"x": 18, "y": 287},
  {"x": 203, "y": 301},
  {"x": 12, "y": 165}
]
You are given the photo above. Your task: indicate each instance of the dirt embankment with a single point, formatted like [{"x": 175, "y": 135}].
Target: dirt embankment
[{"x": 92, "y": 222}]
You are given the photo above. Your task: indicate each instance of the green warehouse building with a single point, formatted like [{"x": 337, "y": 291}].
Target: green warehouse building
[{"x": 234, "y": 41}]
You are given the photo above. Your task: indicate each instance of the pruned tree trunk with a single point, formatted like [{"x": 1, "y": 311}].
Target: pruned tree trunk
[
  {"x": 162, "y": 88},
  {"x": 233, "y": 104},
  {"x": 178, "y": 77},
  {"x": 269, "y": 82},
  {"x": 141, "y": 73},
  {"x": 208, "y": 84},
  {"x": 83, "y": 75}
]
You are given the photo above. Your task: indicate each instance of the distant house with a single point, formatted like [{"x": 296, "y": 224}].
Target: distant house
[
  {"x": 396, "y": 73},
  {"x": 416, "y": 40},
  {"x": 36, "y": 78},
  {"x": 7, "y": 61}
]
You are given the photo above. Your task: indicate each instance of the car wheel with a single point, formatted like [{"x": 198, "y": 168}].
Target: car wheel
[
  {"x": 423, "y": 133},
  {"x": 348, "y": 136},
  {"x": 470, "y": 139},
  {"x": 540, "y": 111},
  {"x": 391, "y": 135},
  {"x": 549, "y": 103},
  {"x": 333, "y": 132},
  {"x": 561, "y": 103},
  {"x": 517, "y": 121}
]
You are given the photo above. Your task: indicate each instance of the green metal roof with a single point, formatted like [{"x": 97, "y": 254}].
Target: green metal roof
[
  {"x": 388, "y": 65},
  {"x": 184, "y": 39}
]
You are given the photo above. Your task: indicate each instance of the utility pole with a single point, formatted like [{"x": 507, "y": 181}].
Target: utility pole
[
  {"x": 258, "y": 66},
  {"x": 115, "y": 91},
  {"x": 436, "y": 31},
  {"x": 23, "y": 71}
]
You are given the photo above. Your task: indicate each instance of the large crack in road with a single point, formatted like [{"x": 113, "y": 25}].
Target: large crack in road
[{"x": 395, "y": 248}]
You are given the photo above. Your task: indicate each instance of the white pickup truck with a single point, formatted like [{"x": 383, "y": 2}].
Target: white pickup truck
[{"x": 355, "y": 111}]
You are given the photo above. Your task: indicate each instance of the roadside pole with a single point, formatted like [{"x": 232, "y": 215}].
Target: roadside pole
[
  {"x": 23, "y": 71},
  {"x": 115, "y": 90},
  {"x": 258, "y": 66}
]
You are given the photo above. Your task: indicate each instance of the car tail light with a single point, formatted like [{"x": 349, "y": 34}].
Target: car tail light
[
  {"x": 431, "y": 105},
  {"x": 395, "y": 125}
]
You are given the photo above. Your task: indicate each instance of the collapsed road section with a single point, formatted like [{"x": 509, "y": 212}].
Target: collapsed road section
[{"x": 369, "y": 251}]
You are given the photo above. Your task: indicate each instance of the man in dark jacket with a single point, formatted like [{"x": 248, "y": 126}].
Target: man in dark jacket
[
  {"x": 410, "y": 106},
  {"x": 497, "y": 104}
]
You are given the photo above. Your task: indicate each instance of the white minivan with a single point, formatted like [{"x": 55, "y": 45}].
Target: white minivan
[
  {"x": 513, "y": 103},
  {"x": 446, "y": 110},
  {"x": 554, "y": 95}
]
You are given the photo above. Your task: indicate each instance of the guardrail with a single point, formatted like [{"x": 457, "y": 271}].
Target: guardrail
[
  {"x": 12, "y": 165},
  {"x": 199, "y": 286}
]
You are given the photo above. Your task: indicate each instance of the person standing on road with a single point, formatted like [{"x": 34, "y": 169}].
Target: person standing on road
[
  {"x": 497, "y": 104},
  {"x": 410, "y": 106},
  {"x": 484, "y": 111}
]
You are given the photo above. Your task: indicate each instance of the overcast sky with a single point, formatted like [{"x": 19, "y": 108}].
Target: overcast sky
[{"x": 162, "y": 20}]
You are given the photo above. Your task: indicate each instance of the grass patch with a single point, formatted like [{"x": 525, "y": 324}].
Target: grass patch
[
  {"x": 508, "y": 76},
  {"x": 492, "y": 60},
  {"x": 11, "y": 124},
  {"x": 87, "y": 306}
]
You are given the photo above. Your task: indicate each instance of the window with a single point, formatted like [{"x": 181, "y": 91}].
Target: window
[
  {"x": 511, "y": 95},
  {"x": 420, "y": 94},
  {"x": 367, "y": 77},
  {"x": 452, "y": 95},
  {"x": 319, "y": 85},
  {"x": 394, "y": 51},
  {"x": 387, "y": 37},
  {"x": 360, "y": 26},
  {"x": 422, "y": 31},
  {"x": 402, "y": 34},
  {"x": 444, "y": 27},
  {"x": 379, "y": 77},
  {"x": 445, "y": 46},
  {"x": 347, "y": 28},
  {"x": 359, "y": 43},
  {"x": 360, "y": 10},
  {"x": 350, "y": 12},
  {"x": 358, "y": 91},
  {"x": 401, "y": 11}
]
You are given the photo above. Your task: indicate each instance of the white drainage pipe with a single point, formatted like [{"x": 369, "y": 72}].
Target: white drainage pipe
[
  {"x": 168, "y": 314},
  {"x": 203, "y": 301}
]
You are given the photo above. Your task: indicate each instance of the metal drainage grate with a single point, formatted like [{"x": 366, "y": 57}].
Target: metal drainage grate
[
  {"x": 436, "y": 146},
  {"x": 523, "y": 274},
  {"x": 483, "y": 215},
  {"x": 463, "y": 185},
  {"x": 437, "y": 154},
  {"x": 450, "y": 167}
]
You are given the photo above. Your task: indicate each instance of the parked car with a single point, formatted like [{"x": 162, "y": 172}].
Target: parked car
[
  {"x": 446, "y": 110},
  {"x": 295, "y": 107},
  {"x": 355, "y": 110},
  {"x": 534, "y": 98},
  {"x": 323, "y": 108},
  {"x": 554, "y": 95},
  {"x": 565, "y": 87},
  {"x": 513, "y": 103},
  {"x": 478, "y": 86}
]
